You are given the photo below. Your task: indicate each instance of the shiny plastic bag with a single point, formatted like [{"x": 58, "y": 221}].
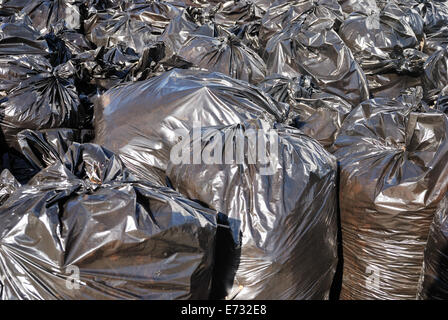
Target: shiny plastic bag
[
  {"x": 8, "y": 184},
  {"x": 47, "y": 100},
  {"x": 433, "y": 283},
  {"x": 225, "y": 54},
  {"x": 45, "y": 13},
  {"x": 382, "y": 42},
  {"x": 136, "y": 27},
  {"x": 303, "y": 48},
  {"x": 283, "y": 13},
  {"x": 316, "y": 113},
  {"x": 282, "y": 212},
  {"x": 142, "y": 121},
  {"x": 435, "y": 77},
  {"x": 94, "y": 232},
  {"x": 23, "y": 53},
  {"x": 393, "y": 175}
]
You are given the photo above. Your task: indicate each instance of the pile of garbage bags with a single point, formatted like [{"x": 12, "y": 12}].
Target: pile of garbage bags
[{"x": 225, "y": 149}]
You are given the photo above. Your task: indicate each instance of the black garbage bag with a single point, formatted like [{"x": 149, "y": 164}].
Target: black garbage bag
[
  {"x": 433, "y": 284},
  {"x": 8, "y": 185},
  {"x": 142, "y": 121},
  {"x": 47, "y": 100},
  {"x": 283, "y": 13},
  {"x": 442, "y": 101},
  {"x": 23, "y": 53},
  {"x": 65, "y": 44},
  {"x": 434, "y": 14},
  {"x": 238, "y": 12},
  {"x": 182, "y": 27},
  {"x": 435, "y": 76},
  {"x": 367, "y": 7},
  {"x": 12, "y": 7},
  {"x": 393, "y": 175},
  {"x": 316, "y": 113},
  {"x": 225, "y": 54},
  {"x": 313, "y": 50},
  {"x": 45, "y": 13},
  {"x": 39, "y": 149},
  {"x": 95, "y": 232},
  {"x": 280, "y": 203},
  {"x": 390, "y": 85},
  {"x": 136, "y": 27},
  {"x": 437, "y": 41},
  {"x": 383, "y": 42},
  {"x": 43, "y": 148}
]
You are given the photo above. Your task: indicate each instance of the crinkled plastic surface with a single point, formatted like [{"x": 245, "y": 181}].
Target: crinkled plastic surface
[
  {"x": 45, "y": 13},
  {"x": 124, "y": 238},
  {"x": 225, "y": 54},
  {"x": 136, "y": 27},
  {"x": 393, "y": 175},
  {"x": 282, "y": 213},
  {"x": 143, "y": 126},
  {"x": 8, "y": 184},
  {"x": 367, "y": 7},
  {"x": 47, "y": 100},
  {"x": 312, "y": 50},
  {"x": 379, "y": 39},
  {"x": 283, "y": 13},
  {"x": 435, "y": 77},
  {"x": 316, "y": 113},
  {"x": 434, "y": 279}
]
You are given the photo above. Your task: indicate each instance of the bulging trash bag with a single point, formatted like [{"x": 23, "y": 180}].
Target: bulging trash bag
[
  {"x": 383, "y": 42},
  {"x": 434, "y": 278},
  {"x": 239, "y": 12},
  {"x": 280, "y": 203},
  {"x": 191, "y": 22},
  {"x": 23, "y": 53},
  {"x": 367, "y": 7},
  {"x": 47, "y": 100},
  {"x": 45, "y": 13},
  {"x": 105, "y": 67},
  {"x": 316, "y": 113},
  {"x": 435, "y": 76},
  {"x": 393, "y": 175},
  {"x": 142, "y": 121},
  {"x": 95, "y": 232},
  {"x": 225, "y": 54},
  {"x": 283, "y": 13},
  {"x": 318, "y": 52},
  {"x": 137, "y": 27},
  {"x": 18, "y": 36}
]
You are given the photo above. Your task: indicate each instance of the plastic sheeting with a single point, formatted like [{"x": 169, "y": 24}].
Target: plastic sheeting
[
  {"x": 393, "y": 175},
  {"x": 84, "y": 228},
  {"x": 282, "y": 213},
  {"x": 434, "y": 279},
  {"x": 142, "y": 127}
]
